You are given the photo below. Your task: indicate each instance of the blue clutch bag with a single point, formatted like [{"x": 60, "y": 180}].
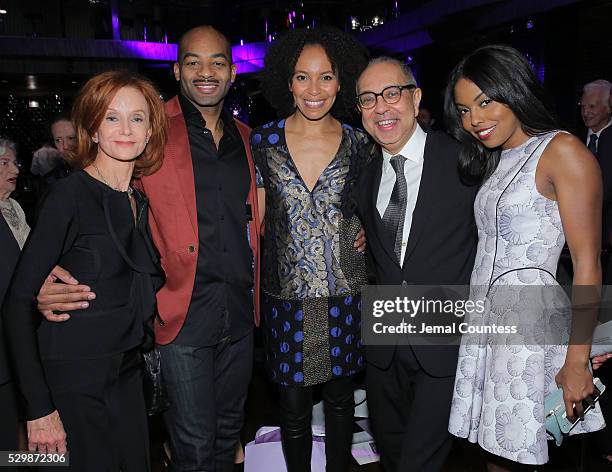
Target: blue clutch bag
[{"x": 556, "y": 421}]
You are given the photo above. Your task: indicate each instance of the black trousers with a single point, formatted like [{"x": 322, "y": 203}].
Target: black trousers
[
  {"x": 8, "y": 423},
  {"x": 409, "y": 413},
  {"x": 207, "y": 388},
  {"x": 101, "y": 405},
  {"x": 296, "y": 417}
]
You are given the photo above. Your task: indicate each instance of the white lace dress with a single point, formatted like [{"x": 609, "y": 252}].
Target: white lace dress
[{"x": 498, "y": 399}]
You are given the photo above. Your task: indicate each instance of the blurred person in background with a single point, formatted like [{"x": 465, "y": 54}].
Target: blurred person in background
[
  {"x": 13, "y": 234},
  {"x": 595, "y": 111},
  {"x": 425, "y": 118}
]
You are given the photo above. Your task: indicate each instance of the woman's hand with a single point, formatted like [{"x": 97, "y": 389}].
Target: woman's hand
[
  {"x": 360, "y": 241},
  {"x": 47, "y": 434},
  {"x": 577, "y": 384}
]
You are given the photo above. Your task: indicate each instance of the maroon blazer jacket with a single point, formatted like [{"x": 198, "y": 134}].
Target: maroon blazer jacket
[{"x": 174, "y": 224}]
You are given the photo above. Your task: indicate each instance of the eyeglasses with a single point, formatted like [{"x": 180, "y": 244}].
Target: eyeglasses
[
  {"x": 6, "y": 162},
  {"x": 390, "y": 95}
]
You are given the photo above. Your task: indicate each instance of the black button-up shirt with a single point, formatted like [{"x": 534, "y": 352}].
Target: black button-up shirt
[{"x": 222, "y": 299}]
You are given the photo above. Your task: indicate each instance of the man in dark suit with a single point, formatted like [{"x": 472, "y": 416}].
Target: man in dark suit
[
  {"x": 604, "y": 157},
  {"x": 419, "y": 222},
  {"x": 595, "y": 111}
]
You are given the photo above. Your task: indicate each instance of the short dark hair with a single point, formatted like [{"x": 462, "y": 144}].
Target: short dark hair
[
  {"x": 90, "y": 107},
  {"x": 202, "y": 28},
  {"x": 505, "y": 76},
  {"x": 347, "y": 56}
]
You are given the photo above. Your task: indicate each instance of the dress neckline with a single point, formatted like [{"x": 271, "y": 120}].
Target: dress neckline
[{"x": 339, "y": 152}]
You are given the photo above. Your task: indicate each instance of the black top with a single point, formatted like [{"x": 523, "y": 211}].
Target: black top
[
  {"x": 604, "y": 156},
  {"x": 87, "y": 228},
  {"x": 10, "y": 256},
  {"x": 221, "y": 302}
]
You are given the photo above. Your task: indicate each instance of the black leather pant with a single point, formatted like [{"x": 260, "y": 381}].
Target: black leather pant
[{"x": 296, "y": 415}]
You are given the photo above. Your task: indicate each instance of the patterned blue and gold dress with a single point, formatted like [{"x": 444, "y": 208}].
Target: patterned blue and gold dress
[{"x": 311, "y": 274}]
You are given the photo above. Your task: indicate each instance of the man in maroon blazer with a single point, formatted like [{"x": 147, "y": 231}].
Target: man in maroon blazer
[{"x": 204, "y": 221}]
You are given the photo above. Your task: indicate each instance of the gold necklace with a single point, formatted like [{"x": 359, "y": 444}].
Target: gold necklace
[{"x": 130, "y": 190}]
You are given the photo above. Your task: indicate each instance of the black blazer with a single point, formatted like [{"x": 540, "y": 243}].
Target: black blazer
[
  {"x": 604, "y": 156},
  {"x": 87, "y": 228},
  {"x": 441, "y": 245},
  {"x": 10, "y": 256}
]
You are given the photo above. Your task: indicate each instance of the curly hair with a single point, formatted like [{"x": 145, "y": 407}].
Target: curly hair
[{"x": 347, "y": 56}]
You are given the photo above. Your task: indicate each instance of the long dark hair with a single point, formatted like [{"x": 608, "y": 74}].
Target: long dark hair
[{"x": 505, "y": 76}]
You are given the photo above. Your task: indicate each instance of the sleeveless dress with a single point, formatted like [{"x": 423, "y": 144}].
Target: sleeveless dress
[
  {"x": 311, "y": 274},
  {"x": 502, "y": 380}
]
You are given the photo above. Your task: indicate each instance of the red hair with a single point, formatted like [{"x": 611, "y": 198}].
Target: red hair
[{"x": 89, "y": 110}]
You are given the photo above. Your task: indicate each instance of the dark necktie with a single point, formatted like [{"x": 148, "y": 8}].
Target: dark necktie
[
  {"x": 393, "y": 219},
  {"x": 593, "y": 143}
]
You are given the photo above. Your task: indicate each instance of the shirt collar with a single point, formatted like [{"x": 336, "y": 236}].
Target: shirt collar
[
  {"x": 413, "y": 150},
  {"x": 590, "y": 132},
  {"x": 192, "y": 114}
]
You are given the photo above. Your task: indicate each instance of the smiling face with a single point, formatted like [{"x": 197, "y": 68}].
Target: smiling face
[
  {"x": 125, "y": 129},
  {"x": 391, "y": 125},
  {"x": 205, "y": 68},
  {"x": 594, "y": 108},
  {"x": 9, "y": 171},
  {"x": 314, "y": 83},
  {"x": 490, "y": 122}
]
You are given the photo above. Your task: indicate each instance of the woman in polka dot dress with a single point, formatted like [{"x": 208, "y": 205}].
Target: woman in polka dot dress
[
  {"x": 539, "y": 188},
  {"x": 313, "y": 266}
]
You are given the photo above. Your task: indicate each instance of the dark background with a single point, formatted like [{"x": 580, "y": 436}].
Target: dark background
[{"x": 568, "y": 42}]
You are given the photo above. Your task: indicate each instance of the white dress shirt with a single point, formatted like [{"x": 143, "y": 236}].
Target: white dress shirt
[
  {"x": 413, "y": 151},
  {"x": 598, "y": 133}
]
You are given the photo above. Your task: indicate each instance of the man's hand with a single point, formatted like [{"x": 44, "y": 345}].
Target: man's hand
[
  {"x": 46, "y": 434},
  {"x": 62, "y": 297},
  {"x": 360, "y": 241},
  {"x": 599, "y": 360}
]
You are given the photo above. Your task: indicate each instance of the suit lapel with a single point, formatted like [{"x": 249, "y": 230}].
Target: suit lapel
[{"x": 424, "y": 203}]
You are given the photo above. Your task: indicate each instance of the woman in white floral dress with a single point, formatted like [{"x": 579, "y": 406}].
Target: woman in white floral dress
[{"x": 539, "y": 188}]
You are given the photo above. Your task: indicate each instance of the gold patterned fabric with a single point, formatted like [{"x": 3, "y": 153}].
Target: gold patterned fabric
[{"x": 311, "y": 273}]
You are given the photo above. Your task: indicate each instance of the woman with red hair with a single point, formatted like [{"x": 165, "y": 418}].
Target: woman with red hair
[{"x": 82, "y": 379}]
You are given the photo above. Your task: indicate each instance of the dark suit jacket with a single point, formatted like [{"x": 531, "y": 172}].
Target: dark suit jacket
[
  {"x": 604, "y": 156},
  {"x": 441, "y": 246},
  {"x": 10, "y": 256},
  {"x": 174, "y": 223}
]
